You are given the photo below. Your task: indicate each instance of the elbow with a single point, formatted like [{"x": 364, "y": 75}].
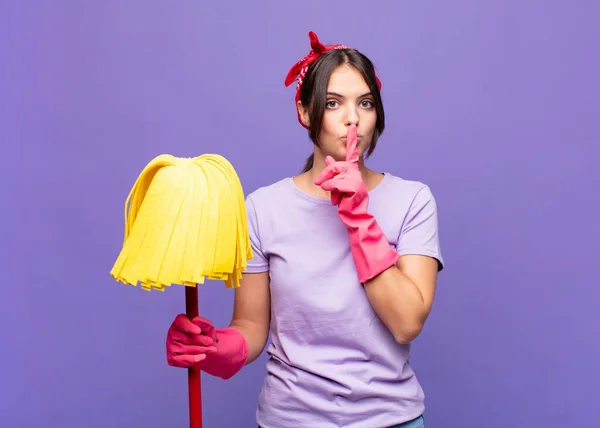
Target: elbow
[{"x": 407, "y": 334}]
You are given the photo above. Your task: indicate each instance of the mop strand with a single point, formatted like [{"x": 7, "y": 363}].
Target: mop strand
[{"x": 185, "y": 221}]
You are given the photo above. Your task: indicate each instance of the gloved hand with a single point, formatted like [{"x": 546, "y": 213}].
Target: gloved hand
[
  {"x": 219, "y": 352},
  {"x": 370, "y": 248}
]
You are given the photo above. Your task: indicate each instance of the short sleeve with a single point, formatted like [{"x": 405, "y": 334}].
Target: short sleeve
[
  {"x": 419, "y": 233},
  {"x": 259, "y": 262}
]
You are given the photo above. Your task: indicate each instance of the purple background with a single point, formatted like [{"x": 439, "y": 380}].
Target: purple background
[{"x": 494, "y": 104}]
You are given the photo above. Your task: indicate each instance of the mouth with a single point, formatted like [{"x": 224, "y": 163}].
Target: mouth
[{"x": 344, "y": 138}]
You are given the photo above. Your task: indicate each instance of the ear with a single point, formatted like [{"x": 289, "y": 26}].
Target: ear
[{"x": 304, "y": 116}]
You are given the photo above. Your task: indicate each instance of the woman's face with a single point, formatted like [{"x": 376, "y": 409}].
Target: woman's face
[{"x": 349, "y": 102}]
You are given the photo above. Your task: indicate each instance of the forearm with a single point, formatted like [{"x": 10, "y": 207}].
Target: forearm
[
  {"x": 398, "y": 302},
  {"x": 255, "y": 337}
]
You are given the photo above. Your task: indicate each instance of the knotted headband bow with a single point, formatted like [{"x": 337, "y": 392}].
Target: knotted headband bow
[{"x": 298, "y": 71}]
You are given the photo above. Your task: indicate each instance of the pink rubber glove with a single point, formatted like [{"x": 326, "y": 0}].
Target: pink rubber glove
[
  {"x": 187, "y": 345},
  {"x": 220, "y": 352},
  {"x": 370, "y": 248}
]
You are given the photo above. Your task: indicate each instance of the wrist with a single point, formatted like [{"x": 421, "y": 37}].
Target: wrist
[
  {"x": 231, "y": 355},
  {"x": 371, "y": 250}
]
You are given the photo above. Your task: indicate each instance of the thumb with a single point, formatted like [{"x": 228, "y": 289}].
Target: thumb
[
  {"x": 336, "y": 197},
  {"x": 329, "y": 160},
  {"x": 205, "y": 325}
]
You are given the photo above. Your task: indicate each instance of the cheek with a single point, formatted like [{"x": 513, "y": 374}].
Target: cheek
[
  {"x": 370, "y": 118},
  {"x": 330, "y": 126},
  {"x": 332, "y": 118},
  {"x": 370, "y": 122}
]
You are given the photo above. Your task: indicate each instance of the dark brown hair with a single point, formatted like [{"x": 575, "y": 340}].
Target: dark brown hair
[{"x": 314, "y": 92}]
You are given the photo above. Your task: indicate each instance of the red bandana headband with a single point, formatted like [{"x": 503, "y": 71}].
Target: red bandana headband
[{"x": 298, "y": 71}]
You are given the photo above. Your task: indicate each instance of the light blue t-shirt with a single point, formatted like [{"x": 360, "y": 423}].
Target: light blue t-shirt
[{"x": 333, "y": 363}]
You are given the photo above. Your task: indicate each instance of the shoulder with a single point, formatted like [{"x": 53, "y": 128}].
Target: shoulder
[
  {"x": 418, "y": 217},
  {"x": 273, "y": 199},
  {"x": 406, "y": 192},
  {"x": 270, "y": 192}
]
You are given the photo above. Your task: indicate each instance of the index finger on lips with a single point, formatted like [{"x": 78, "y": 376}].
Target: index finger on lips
[{"x": 352, "y": 144}]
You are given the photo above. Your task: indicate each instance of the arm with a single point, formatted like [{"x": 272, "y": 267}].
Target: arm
[
  {"x": 400, "y": 284},
  {"x": 252, "y": 312},
  {"x": 402, "y": 295}
]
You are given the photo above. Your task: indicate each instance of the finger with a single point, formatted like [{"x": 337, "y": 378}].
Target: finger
[
  {"x": 186, "y": 361},
  {"x": 205, "y": 325},
  {"x": 329, "y": 172},
  {"x": 329, "y": 160},
  {"x": 201, "y": 340},
  {"x": 181, "y": 349},
  {"x": 352, "y": 144},
  {"x": 183, "y": 324},
  {"x": 195, "y": 350},
  {"x": 191, "y": 339}
]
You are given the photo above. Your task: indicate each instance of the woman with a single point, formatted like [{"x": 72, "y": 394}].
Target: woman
[{"x": 343, "y": 290}]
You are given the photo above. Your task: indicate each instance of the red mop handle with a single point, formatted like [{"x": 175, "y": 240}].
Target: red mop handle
[{"x": 194, "y": 387}]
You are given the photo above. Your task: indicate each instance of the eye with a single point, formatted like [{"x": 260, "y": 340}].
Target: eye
[
  {"x": 331, "y": 103},
  {"x": 367, "y": 104}
]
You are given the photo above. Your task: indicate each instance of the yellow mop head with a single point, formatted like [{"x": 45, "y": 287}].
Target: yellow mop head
[{"x": 185, "y": 221}]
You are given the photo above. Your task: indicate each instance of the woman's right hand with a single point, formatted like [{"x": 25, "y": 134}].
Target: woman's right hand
[{"x": 187, "y": 344}]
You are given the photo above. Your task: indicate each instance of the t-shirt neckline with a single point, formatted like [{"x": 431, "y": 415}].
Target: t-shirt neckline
[{"x": 324, "y": 201}]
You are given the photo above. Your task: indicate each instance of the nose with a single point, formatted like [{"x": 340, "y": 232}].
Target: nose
[{"x": 351, "y": 116}]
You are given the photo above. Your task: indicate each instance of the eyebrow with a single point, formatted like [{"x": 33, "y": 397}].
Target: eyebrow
[{"x": 335, "y": 94}]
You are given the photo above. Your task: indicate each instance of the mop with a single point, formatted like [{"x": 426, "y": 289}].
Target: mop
[{"x": 185, "y": 222}]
